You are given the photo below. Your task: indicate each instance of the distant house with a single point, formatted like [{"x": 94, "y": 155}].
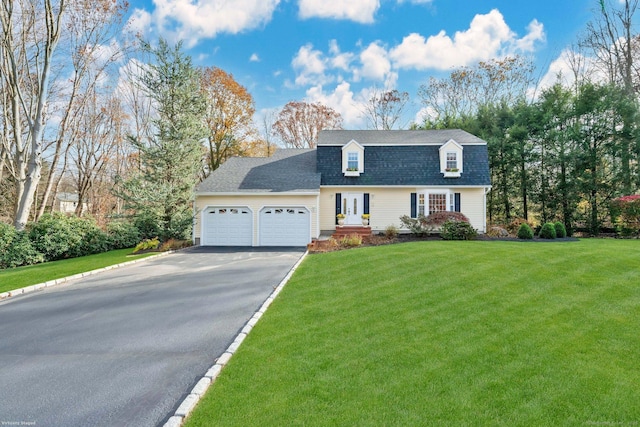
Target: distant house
[
  {"x": 291, "y": 198},
  {"x": 67, "y": 203}
]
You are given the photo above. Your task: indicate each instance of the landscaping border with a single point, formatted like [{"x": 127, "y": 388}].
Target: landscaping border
[{"x": 201, "y": 387}]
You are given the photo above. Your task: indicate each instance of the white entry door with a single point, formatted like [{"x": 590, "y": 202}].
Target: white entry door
[{"x": 353, "y": 208}]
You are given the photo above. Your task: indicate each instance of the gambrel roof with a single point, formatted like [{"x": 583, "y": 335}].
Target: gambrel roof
[{"x": 403, "y": 158}]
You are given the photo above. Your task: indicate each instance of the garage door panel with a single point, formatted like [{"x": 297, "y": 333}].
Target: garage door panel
[
  {"x": 228, "y": 226},
  {"x": 284, "y": 226}
]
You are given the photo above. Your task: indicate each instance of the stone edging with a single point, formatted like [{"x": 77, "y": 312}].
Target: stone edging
[
  {"x": 50, "y": 283},
  {"x": 201, "y": 387}
]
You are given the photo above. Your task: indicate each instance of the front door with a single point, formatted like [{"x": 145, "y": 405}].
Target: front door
[{"x": 353, "y": 208}]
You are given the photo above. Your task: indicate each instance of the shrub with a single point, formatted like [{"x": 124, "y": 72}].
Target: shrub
[
  {"x": 417, "y": 226},
  {"x": 351, "y": 240},
  {"x": 147, "y": 245},
  {"x": 525, "y": 232},
  {"x": 428, "y": 224},
  {"x": 496, "y": 231},
  {"x": 561, "y": 231},
  {"x": 437, "y": 219},
  {"x": 458, "y": 230},
  {"x": 548, "y": 231},
  {"x": 147, "y": 225},
  {"x": 391, "y": 232},
  {"x": 93, "y": 239},
  {"x": 16, "y": 248},
  {"x": 514, "y": 226},
  {"x": 625, "y": 214},
  {"x": 54, "y": 236},
  {"x": 173, "y": 244},
  {"x": 122, "y": 234}
]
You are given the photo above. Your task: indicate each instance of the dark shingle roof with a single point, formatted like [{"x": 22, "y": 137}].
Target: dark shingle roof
[
  {"x": 287, "y": 170},
  {"x": 397, "y": 137},
  {"x": 403, "y": 158},
  {"x": 411, "y": 165}
]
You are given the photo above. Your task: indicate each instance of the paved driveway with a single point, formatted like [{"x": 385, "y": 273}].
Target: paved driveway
[{"x": 124, "y": 347}]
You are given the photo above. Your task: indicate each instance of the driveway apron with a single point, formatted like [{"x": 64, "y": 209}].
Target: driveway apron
[{"x": 124, "y": 347}]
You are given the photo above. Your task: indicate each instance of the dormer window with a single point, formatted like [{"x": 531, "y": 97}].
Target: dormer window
[
  {"x": 451, "y": 159},
  {"x": 352, "y": 159},
  {"x": 452, "y": 162}
]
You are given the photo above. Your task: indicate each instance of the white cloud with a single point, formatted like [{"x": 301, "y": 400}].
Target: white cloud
[
  {"x": 375, "y": 62},
  {"x": 488, "y": 36},
  {"x": 535, "y": 34},
  {"x": 310, "y": 65},
  {"x": 343, "y": 100},
  {"x": 339, "y": 60},
  {"x": 254, "y": 58},
  {"x": 192, "y": 20},
  {"x": 355, "y": 10}
]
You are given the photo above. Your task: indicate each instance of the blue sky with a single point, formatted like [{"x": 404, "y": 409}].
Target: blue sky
[{"x": 337, "y": 51}]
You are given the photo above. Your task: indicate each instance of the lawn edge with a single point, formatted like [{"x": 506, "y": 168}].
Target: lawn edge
[
  {"x": 197, "y": 393},
  {"x": 62, "y": 280}
]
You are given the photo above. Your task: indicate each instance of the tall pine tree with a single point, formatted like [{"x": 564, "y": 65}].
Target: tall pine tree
[{"x": 171, "y": 159}]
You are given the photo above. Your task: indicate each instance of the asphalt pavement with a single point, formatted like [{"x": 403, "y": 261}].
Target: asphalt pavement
[{"x": 124, "y": 347}]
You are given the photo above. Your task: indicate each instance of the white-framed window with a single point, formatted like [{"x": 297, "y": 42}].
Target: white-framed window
[
  {"x": 429, "y": 202},
  {"x": 437, "y": 202},
  {"x": 352, "y": 161},
  {"x": 452, "y": 160}
]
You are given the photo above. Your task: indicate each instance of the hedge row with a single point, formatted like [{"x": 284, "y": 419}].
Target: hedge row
[{"x": 59, "y": 236}]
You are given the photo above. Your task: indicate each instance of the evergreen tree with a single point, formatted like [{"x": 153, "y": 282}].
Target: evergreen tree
[{"x": 171, "y": 159}]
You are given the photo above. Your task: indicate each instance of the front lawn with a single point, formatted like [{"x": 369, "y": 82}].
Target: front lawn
[
  {"x": 19, "y": 277},
  {"x": 444, "y": 333}
]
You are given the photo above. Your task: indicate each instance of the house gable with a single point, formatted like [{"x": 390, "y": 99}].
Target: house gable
[
  {"x": 352, "y": 159},
  {"x": 451, "y": 159}
]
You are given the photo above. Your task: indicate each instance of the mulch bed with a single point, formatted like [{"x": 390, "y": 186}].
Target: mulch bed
[{"x": 320, "y": 246}]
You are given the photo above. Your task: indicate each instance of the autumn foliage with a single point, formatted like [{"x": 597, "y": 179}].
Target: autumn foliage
[{"x": 299, "y": 123}]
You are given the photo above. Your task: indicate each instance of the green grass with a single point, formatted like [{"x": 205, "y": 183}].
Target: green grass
[
  {"x": 444, "y": 334},
  {"x": 15, "y": 278}
]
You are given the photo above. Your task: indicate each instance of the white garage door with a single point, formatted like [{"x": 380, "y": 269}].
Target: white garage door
[
  {"x": 227, "y": 226},
  {"x": 284, "y": 226}
]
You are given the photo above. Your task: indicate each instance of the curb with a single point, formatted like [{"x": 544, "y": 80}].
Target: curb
[
  {"x": 201, "y": 387},
  {"x": 56, "y": 282}
]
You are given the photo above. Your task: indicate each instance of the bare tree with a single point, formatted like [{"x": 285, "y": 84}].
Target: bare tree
[
  {"x": 384, "y": 109},
  {"x": 102, "y": 132},
  {"x": 299, "y": 123},
  {"x": 467, "y": 88},
  {"x": 611, "y": 40},
  {"x": 30, "y": 34},
  {"x": 90, "y": 28}
]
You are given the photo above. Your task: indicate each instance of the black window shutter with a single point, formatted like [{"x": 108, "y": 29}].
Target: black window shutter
[
  {"x": 366, "y": 203},
  {"x": 456, "y": 197},
  {"x": 338, "y": 205},
  {"x": 414, "y": 205}
]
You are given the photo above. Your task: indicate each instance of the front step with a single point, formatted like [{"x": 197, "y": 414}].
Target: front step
[{"x": 347, "y": 230}]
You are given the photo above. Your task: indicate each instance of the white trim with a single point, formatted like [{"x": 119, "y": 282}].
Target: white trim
[
  {"x": 403, "y": 144},
  {"x": 282, "y": 193},
  {"x": 404, "y": 186}
]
